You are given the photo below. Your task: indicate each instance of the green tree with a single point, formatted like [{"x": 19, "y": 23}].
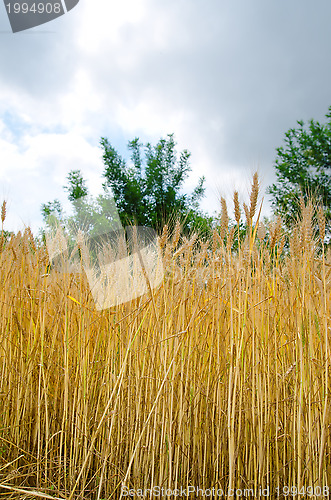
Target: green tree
[
  {"x": 92, "y": 216},
  {"x": 147, "y": 192},
  {"x": 51, "y": 212},
  {"x": 76, "y": 187},
  {"x": 303, "y": 167}
]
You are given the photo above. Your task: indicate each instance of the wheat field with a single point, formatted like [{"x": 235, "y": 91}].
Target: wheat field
[{"x": 219, "y": 378}]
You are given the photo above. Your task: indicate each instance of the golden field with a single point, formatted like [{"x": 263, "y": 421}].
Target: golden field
[{"x": 218, "y": 378}]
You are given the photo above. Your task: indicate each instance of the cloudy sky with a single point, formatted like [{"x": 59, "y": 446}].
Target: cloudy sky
[{"x": 227, "y": 78}]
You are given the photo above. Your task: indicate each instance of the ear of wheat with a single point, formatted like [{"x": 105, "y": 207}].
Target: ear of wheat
[
  {"x": 3, "y": 218},
  {"x": 3, "y": 211}
]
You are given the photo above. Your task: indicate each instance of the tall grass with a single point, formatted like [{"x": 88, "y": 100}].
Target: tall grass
[{"x": 220, "y": 378}]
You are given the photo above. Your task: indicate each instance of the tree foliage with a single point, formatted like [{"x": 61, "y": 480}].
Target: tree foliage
[
  {"x": 147, "y": 191},
  {"x": 303, "y": 167},
  {"x": 76, "y": 186},
  {"x": 51, "y": 212}
]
